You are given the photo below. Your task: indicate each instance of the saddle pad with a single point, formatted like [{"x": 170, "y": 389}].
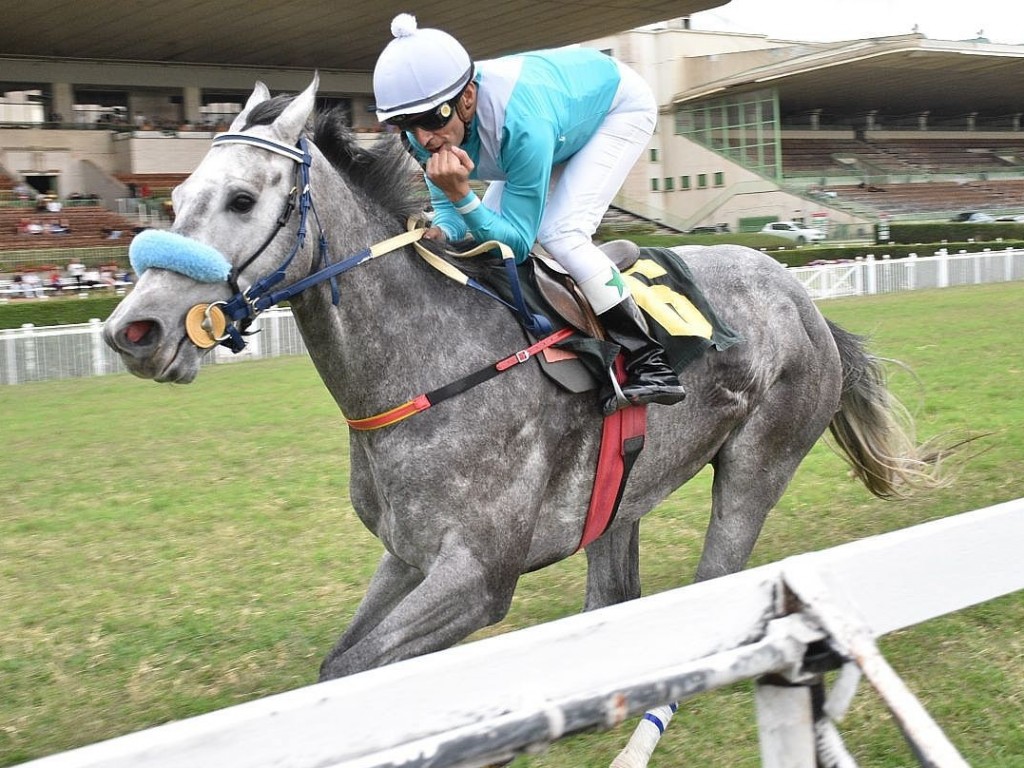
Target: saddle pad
[{"x": 679, "y": 315}]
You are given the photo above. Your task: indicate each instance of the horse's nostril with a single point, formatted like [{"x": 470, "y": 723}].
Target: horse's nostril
[{"x": 137, "y": 331}]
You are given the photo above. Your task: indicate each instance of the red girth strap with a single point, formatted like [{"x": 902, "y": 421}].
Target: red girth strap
[
  {"x": 422, "y": 402},
  {"x": 622, "y": 439}
]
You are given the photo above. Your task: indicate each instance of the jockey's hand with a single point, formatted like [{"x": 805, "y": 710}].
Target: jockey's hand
[
  {"x": 449, "y": 170},
  {"x": 435, "y": 233}
]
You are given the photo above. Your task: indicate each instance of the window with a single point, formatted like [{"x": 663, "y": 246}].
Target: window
[
  {"x": 719, "y": 179},
  {"x": 744, "y": 128},
  {"x": 670, "y": 183},
  {"x": 654, "y": 185},
  {"x": 702, "y": 181},
  {"x": 684, "y": 182},
  {"x": 654, "y": 154}
]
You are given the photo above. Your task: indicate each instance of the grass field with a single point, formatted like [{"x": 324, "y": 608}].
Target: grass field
[{"x": 166, "y": 551}]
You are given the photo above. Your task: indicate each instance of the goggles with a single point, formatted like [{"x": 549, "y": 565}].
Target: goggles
[{"x": 432, "y": 120}]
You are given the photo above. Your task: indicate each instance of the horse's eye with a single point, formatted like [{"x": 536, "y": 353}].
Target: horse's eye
[{"x": 242, "y": 203}]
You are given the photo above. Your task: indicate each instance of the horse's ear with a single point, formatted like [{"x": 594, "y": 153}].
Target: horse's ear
[
  {"x": 259, "y": 94},
  {"x": 291, "y": 122}
]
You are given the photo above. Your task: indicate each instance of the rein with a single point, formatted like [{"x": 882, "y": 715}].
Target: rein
[{"x": 226, "y": 322}]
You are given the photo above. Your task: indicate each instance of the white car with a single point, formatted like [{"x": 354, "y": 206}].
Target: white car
[{"x": 790, "y": 230}]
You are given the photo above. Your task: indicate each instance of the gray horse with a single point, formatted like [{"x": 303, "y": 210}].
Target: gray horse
[{"x": 469, "y": 494}]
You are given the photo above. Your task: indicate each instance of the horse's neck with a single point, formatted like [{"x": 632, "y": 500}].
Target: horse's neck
[{"x": 400, "y": 329}]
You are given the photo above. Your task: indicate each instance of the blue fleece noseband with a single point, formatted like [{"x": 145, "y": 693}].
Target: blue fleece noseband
[{"x": 168, "y": 250}]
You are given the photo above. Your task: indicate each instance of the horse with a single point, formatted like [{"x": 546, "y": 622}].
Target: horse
[{"x": 473, "y": 492}]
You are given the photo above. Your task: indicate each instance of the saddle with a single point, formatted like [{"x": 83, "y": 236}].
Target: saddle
[{"x": 560, "y": 291}]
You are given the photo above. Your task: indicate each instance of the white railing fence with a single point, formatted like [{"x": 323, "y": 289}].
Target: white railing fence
[
  {"x": 60, "y": 352},
  {"x": 71, "y": 351},
  {"x": 869, "y": 275},
  {"x": 483, "y": 702}
]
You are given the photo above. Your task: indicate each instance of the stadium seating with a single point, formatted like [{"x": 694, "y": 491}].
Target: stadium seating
[
  {"x": 88, "y": 225},
  {"x": 935, "y": 196}
]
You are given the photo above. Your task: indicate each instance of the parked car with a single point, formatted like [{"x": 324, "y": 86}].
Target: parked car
[
  {"x": 973, "y": 217},
  {"x": 791, "y": 230}
]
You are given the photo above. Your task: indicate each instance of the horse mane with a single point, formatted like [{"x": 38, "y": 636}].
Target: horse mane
[{"x": 382, "y": 171}]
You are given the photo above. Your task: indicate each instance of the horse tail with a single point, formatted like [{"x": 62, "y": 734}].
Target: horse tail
[{"x": 873, "y": 429}]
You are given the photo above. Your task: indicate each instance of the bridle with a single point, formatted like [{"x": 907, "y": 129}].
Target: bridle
[{"x": 226, "y": 322}]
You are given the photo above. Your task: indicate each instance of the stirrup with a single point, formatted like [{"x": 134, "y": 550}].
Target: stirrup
[{"x": 618, "y": 400}]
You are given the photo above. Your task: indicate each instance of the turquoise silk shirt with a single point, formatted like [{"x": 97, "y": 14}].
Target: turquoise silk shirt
[{"x": 534, "y": 111}]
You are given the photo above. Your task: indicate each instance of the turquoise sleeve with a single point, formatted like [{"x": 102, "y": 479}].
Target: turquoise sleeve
[{"x": 527, "y": 162}]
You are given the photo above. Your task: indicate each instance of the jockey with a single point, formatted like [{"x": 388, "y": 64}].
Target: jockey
[{"x": 556, "y": 133}]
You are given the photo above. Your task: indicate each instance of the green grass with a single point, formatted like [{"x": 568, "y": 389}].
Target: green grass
[{"x": 166, "y": 551}]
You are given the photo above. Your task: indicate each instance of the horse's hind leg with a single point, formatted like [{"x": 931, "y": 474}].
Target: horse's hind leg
[
  {"x": 753, "y": 468},
  {"x": 613, "y": 567}
]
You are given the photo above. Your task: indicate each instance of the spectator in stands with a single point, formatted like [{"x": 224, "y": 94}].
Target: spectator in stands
[
  {"x": 573, "y": 116},
  {"x": 55, "y": 283},
  {"x": 75, "y": 271},
  {"x": 18, "y": 285},
  {"x": 33, "y": 286}
]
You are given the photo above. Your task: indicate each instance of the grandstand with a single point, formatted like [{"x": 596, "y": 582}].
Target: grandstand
[
  {"x": 842, "y": 134},
  {"x": 158, "y": 185},
  {"x": 751, "y": 129}
]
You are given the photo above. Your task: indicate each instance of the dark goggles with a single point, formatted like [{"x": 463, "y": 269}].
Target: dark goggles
[{"x": 432, "y": 120}]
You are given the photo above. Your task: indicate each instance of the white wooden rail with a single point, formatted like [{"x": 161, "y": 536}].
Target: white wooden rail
[{"x": 482, "y": 701}]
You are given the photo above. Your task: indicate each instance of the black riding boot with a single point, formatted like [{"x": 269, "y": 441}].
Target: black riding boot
[{"x": 649, "y": 378}]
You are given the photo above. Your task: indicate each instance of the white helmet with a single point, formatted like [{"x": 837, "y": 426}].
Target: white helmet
[{"x": 418, "y": 70}]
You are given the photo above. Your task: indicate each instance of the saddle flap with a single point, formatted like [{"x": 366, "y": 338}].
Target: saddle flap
[{"x": 561, "y": 293}]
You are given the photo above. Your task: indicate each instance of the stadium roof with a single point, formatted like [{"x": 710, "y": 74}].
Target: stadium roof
[
  {"x": 325, "y": 34},
  {"x": 895, "y": 75}
]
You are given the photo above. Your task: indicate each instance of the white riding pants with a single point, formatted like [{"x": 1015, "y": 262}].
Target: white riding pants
[{"x": 583, "y": 187}]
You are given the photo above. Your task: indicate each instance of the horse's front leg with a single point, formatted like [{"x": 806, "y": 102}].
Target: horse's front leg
[
  {"x": 407, "y": 613},
  {"x": 391, "y": 582}
]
